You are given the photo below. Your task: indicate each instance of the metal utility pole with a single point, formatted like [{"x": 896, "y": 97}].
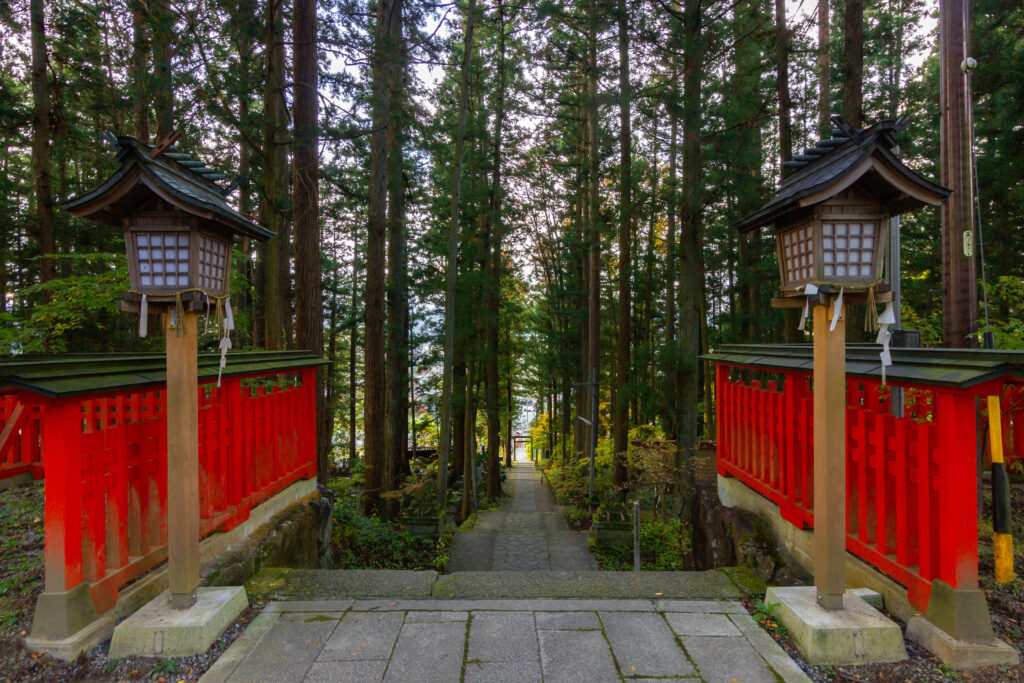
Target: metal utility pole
[
  {"x": 960, "y": 301},
  {"x": 592, "y": 422}
]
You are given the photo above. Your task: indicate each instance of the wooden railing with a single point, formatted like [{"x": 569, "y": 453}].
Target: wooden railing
[
  {"x": 911, "y": 481},
  {"x": 105, "y": 455},
  {"x": 19, "y": 437}
]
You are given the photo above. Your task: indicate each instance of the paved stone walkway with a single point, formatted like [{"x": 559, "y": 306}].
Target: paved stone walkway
[
  {"x": 423, "y": 628},
  {"x": 527, "y": 533},
  {"x": 556, "y": 641}
]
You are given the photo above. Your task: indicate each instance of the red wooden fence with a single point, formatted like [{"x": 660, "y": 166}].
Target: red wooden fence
[
  {"x": 19, "y": 437},
  {"x": 911, "y": 481},
  {"x": 106, "y": 468}
]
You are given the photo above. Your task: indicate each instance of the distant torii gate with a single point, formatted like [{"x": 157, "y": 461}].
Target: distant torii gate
[{"x": 517, "y": 440}]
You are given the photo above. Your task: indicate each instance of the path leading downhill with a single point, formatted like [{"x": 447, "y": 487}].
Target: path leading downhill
[
  {"x": 527, "y": 533},
  {"x": 521, "y": 603}
]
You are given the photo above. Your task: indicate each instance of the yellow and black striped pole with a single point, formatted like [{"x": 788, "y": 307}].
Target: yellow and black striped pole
[{"x": 1002, "y": 540}]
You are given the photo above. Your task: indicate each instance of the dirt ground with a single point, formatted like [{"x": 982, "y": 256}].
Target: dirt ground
[{"x": 21, "y": 580}]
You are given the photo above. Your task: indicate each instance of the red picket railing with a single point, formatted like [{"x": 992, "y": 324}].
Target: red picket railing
[
  {"x": 106, "y": 470},
  {"x": 911, "y": 481},
  {"x": 19, "y": 437}
]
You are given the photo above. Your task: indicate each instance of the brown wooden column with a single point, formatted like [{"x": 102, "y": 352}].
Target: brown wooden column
[
  {"x": 182, "y": 461},
  {"x": 829, "y": 458},
  {"x": 960, "y": 301}
]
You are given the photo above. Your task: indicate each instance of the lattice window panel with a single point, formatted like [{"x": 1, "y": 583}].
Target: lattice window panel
[
  {"x": 798, "y": 254},
  {"x": 213, "y": 263},
  {"x": 848, "y": 249},
  {"x": 163, "y": 258}
]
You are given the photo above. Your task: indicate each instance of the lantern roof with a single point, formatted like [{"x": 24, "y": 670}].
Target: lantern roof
[
  {"x": 149, "y": 172},
  {"x": 851, "y": 157}
]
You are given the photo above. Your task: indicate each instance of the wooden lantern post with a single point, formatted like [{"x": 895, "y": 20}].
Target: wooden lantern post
[
  {"x": 179, "y": 229},
  {"x": 829, "y": 455},
  {"x": 182, "y": 458},
  {"x": 831, "y": 217}
]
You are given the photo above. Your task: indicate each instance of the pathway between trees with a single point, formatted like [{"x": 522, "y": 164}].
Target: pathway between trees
[
  {"x": 522, "y": 601},
  {"x": 527, "y": 533}
]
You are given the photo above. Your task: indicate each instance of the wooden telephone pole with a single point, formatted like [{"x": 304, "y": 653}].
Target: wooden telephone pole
[{"x": 959, "y": 279}]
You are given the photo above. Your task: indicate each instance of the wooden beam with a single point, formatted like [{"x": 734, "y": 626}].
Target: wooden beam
[
  {"x": 161, "y": 146},
  {"x": 11, "y": 425},
  {"x": 829, "y": 458},
  {"x": 182, "y": 460}
]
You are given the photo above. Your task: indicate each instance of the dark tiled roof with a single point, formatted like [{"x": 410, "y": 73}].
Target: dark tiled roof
[
  {"x": 187, "y": 185},
  {"x": 831, "y": 161}
]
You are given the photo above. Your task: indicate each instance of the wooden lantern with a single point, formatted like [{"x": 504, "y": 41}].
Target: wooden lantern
[
  {"x": 832, "y": 210},
  {"x": 831, "y": 216},
  {"x": 178, "y": 225},
  {"x": 178, "y": 233}
]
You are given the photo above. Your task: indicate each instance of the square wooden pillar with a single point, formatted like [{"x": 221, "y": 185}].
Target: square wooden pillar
[
  {"x": 829, "y": 457},
  {"x": 182, "y": 459}
]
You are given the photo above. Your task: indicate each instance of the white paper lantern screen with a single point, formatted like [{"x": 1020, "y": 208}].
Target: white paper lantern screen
[
  {"x": 213, "y": 263},
  {"x": 848, "y": 249},
  {"x": 163, "y": 258},
  {"x": 798, "y": 253}
]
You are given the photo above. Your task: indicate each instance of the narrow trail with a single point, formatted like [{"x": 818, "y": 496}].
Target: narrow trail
[{"x": 527, "y": 533}]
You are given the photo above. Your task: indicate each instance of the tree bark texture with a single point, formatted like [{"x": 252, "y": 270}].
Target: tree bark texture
[
  {"x": 623, "y": 341},
  {"x": 45, "y": 231}
]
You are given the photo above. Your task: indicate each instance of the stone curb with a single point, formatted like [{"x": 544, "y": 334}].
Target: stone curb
[
  {"x": 241, "y": 648},
  {"x": 771, "y": 652}
]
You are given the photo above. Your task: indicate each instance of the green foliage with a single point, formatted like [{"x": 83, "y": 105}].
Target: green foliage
[
  {"x": 664, "y": 546},
  {"x": 764, "y": 614},
  {"x": 362, "y": 542}
]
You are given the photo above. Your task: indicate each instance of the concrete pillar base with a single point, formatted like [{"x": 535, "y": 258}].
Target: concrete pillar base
[
  {"x": 60, "y": 615},
  {"x": 159, "y": 630},
  {"x": 960, "y": 654},
  {"x": 856, "y": 634}
]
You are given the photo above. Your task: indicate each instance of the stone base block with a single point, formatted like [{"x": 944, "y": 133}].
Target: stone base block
[
  {"x": 960, "y": 654},
  {"x": 157, "y": 630},
  {"x": 856, "y": 634}
]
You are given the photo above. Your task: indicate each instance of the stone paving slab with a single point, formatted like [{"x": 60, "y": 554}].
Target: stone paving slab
[
  {"x": 431, "y": 653},
  {"x": 504, "y": 640},
  {"x": 644, "y": 645}
]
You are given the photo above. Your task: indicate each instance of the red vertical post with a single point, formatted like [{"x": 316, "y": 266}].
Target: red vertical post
[
  {"x": 62, "y": 433},
  {"x": 721, "y": 410},
  {"x": 957, "y": 488}
]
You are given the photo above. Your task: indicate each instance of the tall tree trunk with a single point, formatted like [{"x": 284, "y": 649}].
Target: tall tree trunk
[
  {"x": 690, "y": 243},
  {"x": 824, "y": 71},
  {"x": 853, "y": 62},
  {"x": 782, "y": 81},
  {"x": 790, "y": 316},
  {"x": 353, "y": 346},
  {"x": 594, "y": 214},
  {"x": 309, "y": 325},
  {"x": 275, "y": 178},
  {"x": 397, "y": 286},
  {"x": 469, "y": 454},
  {"x": 620, "y": 417},
  {"x": 453, "y": 257},
  {"x": 163, "y": 42},
  {"x": 140, "y": 70},
  {"x": 374, "y": 390},
  {"x": 672, "y": 369},
  {"x": 494, "y": 233},
  {"x": 41, "y": 143}
]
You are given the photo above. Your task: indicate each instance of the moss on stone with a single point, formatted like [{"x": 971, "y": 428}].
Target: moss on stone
[{"x": 746, "y": 580}]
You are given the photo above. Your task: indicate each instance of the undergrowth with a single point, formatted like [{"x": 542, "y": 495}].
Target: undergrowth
[
  {"x": 361, "y": 542},
  {"x": 664, "y": 546}
]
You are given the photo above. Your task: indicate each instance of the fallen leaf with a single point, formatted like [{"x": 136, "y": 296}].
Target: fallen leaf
[
  {"x": 660, "y": 593},
  {"x": 392, "y": 604}
]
